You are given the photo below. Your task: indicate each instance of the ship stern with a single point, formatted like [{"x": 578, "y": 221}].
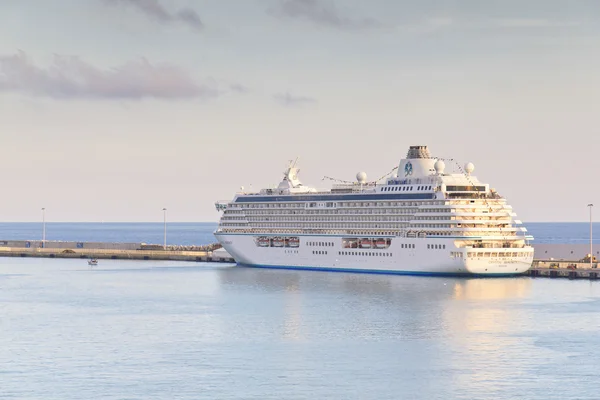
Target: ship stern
[{"x": 498, "y": 262}]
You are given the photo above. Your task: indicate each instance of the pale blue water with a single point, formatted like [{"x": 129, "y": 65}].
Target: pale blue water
[
  {"x": 182, "y": 233},
  {"x": 189, "y": 233},
  {"x": 169, "y": 330}
]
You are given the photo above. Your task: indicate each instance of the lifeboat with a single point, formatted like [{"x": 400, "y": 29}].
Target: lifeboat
[
  {"x": 278, "y": 242},
  {"x": 351, "y": 243},
  {"x": 380, "y": 243},
  {"x": 293, "y": 242},
  {"x": 366, "y": 243},
  {"x": 263, "y": 242}
]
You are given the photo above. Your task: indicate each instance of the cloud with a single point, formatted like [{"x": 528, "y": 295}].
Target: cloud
[
  {"x": 479, "y": 24},
  {"x": 156, "y": 11},
  {"x": 289, "y": 100},
  {"x": 532, "y": 23},
  {"x": 321, "y": 12},
  {"x": 69, "y": 77},
  {"x": 439, "y": 22},
  {"x": 238, "y": 88},
  {"x": 429, "y": 25}
]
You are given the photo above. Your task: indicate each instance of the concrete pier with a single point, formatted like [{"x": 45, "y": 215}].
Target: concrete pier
[
  {"x": 564, "y": 269},
  {"x": 592, "y": 274},
  {"x": 115, "y": 251}
]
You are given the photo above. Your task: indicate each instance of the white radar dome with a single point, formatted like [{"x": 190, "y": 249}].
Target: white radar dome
[
  {"x": 469, "y": 168},
  {"x": 439, "y": 166},
  {"x": 361, "y": 177}
]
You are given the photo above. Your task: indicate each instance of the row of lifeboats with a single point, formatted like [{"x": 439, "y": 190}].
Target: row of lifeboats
[
  {"x": 367, "y": 243},
  {"x": 278, "y": 241}
]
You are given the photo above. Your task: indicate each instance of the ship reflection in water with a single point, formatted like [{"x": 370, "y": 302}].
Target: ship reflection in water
[
  {"x": 467, "y": 326},
  {"x": 390, "y": 286},
  {"x": 492, "y": 289},
  {"x": 292, "y": 328},
  {"x": 372, "y": 305},
  {"x": 485, "y": 320}
]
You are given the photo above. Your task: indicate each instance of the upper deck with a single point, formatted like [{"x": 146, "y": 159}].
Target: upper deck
[
  {"x": 420, "y": 177},
  {"x": 421, "y": 198}
]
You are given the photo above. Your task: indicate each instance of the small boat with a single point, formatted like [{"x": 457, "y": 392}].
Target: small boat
[
  {"x": 380, "y": 244},
  {"x": 263, "y": 242},
  {"x": 278, "y": 242},
  {"x": 93, "y": 261},
  {"x": 293, "y": 242}
]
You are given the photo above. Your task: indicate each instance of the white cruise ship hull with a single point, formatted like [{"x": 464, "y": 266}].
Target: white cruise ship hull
[{"x": 411, "y": 256}]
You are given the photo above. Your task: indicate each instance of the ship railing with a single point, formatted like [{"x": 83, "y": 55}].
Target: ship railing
[
  {"x": 496, "y": 245},
  {"x": 317, "y": 191}
]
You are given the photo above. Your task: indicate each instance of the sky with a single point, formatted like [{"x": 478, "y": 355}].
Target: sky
[{"x": 111, "y": 110}]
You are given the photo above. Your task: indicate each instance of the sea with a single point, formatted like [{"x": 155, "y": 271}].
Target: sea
[
  {"x": 130, "y": 329},
  {"x": 200, "y": 233}
]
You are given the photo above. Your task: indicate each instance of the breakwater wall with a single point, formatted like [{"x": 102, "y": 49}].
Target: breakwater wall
[
  {"x": 38, "y": 244},
  {"x": 199, "y": 256},
  {"x": 564, "y": 251},
  {"x": 107, "y": 250},
  {"x": 56, "y": 244}
]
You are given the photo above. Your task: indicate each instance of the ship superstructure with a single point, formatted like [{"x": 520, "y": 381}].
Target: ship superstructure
[{"x": 421, "y": 220}]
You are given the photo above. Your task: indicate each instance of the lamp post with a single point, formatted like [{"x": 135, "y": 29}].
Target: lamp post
[
  {"x": 165, "y": 234},
  {"x": 43, "y": 227},
  {"x": 591, "y": 246}
]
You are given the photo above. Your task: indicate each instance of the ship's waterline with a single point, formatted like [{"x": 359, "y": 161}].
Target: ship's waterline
[{"x": 422, "y": 220}]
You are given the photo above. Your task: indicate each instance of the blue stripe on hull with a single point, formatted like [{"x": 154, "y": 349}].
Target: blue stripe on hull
[{"x": 380, "y": 272}]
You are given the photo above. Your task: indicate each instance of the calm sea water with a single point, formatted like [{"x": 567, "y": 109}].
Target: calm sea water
[
  {"x": 189, "y": 233},
  {"x": 168, "y": 330},
  {"x": 182, "y": 233},
  {"x": 171, "y": 330}
]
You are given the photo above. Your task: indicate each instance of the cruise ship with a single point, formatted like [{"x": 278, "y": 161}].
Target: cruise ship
[{"x": 420, "y": 220}]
